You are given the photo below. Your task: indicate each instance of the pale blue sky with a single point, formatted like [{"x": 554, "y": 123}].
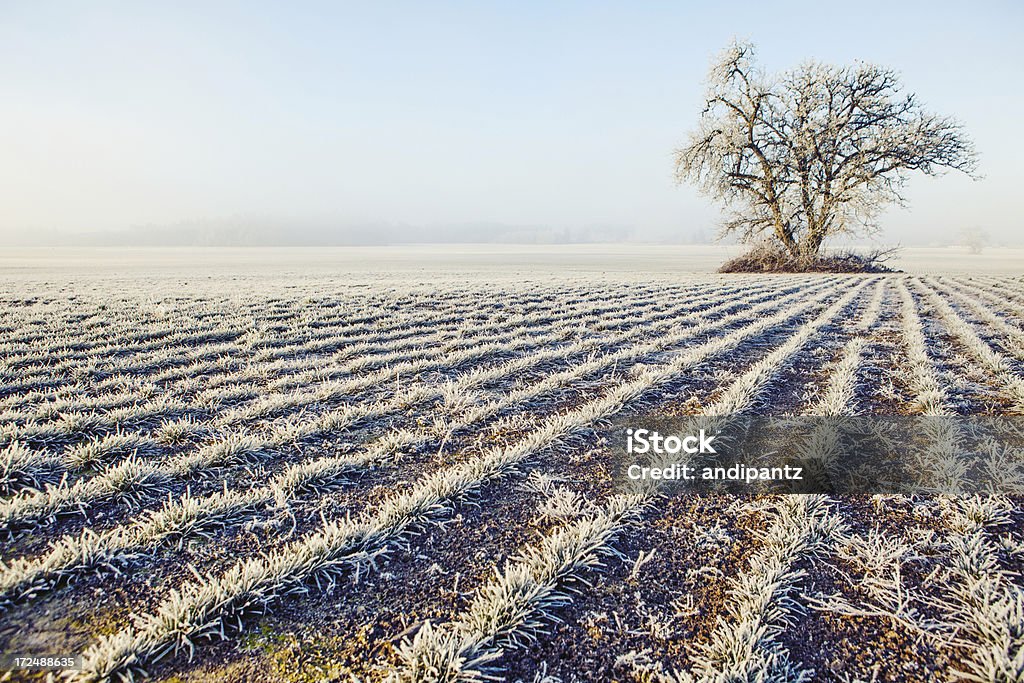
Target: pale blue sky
[{"x": 537, "y": 113}]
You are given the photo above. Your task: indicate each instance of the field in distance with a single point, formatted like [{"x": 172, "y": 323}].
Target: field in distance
[
  {"x": 487, "y": 261},
  {"x": 306, "y": 474}
]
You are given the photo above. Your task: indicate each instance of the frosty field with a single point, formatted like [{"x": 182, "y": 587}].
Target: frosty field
[{"x": 304, "y": 475}]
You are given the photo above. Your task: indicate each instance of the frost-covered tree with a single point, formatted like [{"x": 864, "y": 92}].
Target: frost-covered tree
[{"x": 814, "y": 151}]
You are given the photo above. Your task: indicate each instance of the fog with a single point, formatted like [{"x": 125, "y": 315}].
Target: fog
[{"x": 235, "y": 124}]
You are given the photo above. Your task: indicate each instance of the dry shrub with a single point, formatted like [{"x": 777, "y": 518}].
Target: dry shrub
[{"x": 766, "y": 257}]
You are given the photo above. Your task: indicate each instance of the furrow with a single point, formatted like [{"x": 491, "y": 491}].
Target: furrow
[
  {"x": 514, "y": 607},
  {"x": 202, "y": 608},
  {"x": 190, "y": 515}
]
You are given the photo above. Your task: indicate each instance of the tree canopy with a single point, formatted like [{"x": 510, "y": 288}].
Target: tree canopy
[{"x": 814, "y": 151}]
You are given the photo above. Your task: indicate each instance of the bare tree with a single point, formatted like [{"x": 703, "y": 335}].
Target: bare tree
[{"x": 814, "y": 151}]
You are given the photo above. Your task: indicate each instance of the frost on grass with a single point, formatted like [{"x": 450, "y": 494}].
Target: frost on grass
[{"x": 374, "y": 415}]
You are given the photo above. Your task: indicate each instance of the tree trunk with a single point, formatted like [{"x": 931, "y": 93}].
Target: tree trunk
[
  {"x": 786, "y": 238},
  {"x": 811, "y": 245}
]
